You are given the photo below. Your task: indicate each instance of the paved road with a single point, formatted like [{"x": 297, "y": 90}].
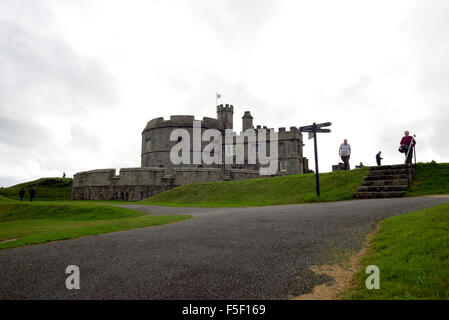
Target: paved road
[{"x": 225, "y": 253}]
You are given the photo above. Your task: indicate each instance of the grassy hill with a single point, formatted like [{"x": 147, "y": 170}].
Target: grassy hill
[
  {"x": 300, "y": 188},
  {"x": 46, "y": 188},
  {"x": 430, "y": 178}
]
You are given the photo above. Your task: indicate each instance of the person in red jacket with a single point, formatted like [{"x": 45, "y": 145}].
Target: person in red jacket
[{"x": 407, "y": 143}]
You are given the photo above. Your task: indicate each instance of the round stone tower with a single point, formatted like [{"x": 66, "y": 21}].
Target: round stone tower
[{"x": 156, "y": 144}]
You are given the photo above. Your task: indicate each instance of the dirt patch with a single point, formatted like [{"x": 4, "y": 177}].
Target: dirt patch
[
  {"x": 340, "y": 273},
  {"x": 444, "y": 196},
  {"x": 9, "y": 240}
]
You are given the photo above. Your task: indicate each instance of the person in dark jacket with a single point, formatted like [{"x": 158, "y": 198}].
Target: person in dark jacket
[
  {"x": 32, "y": 194},
  {"x": 21, "y": 194},
  {"x": 378, "y": 158}
]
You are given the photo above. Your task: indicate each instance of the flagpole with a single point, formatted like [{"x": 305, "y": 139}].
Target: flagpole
[{"x": 217, "y": 96}]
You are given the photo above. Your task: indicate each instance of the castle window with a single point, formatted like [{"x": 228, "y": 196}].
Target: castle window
[
  {"x": 282, "y": 149},
  {"x": 283, "y": 166}
]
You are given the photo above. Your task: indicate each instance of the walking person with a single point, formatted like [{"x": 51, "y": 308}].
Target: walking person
[
  {"x": 345, "y": 153},
  {"x": 379, "y": 158},
  {"x": 32, "y": 194},
  {"x": 407, "y": 144},
  {"x": 21, "y": 194}
]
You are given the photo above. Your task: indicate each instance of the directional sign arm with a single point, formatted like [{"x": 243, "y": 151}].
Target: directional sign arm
[{"x": 325, "y": 124}]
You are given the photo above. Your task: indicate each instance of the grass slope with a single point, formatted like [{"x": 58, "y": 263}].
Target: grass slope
[
  {"x": 339, "y": 185},
  {"x": 430, "y": 178},
  {"x": 412, "y": 253},
  {"x": 46, "y": 189},
  {"x": 32, "y": 223}
]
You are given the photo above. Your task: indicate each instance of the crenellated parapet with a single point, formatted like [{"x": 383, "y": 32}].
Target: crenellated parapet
[
  {"x": 225, "y": 107},
  {"x": 282, "y": 133},
  {"x": 225, "y": 116},
  {"x": 181, "y": 121}
]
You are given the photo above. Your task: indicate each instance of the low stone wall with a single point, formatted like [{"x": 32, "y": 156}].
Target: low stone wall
[
  {"x": 238, "y": 174},
  {"x": 133, "y": 184},
  {"x": 191, "y": 175}
]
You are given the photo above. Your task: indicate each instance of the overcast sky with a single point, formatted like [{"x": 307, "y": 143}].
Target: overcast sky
[{"x": 80, "y": 79}]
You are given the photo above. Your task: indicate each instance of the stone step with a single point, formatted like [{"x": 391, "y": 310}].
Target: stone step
[
  {"x": 388, "y": 177},
  {"x": 381, "y": 188},
  {"x": 387, "y": 172},
  {"x": 384, "y": 182},
  {"x": 378, "y": 195},
  {"x": 390, "y": 167}
]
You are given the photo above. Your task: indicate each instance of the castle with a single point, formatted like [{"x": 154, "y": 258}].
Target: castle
[{"x": 158, "y": 173}]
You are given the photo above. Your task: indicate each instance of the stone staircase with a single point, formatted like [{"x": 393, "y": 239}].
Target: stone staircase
[{"x": 385, "y": 182}]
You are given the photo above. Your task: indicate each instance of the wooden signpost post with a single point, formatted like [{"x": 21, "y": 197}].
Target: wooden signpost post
[{"x": 314, "y": 128}]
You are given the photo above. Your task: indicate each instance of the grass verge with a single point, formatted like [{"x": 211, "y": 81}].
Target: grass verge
[
  {"x": 412, "y": 253},
  {"x": 430, "y": 178},
  {"x": 26, "y": 224},
  {"x": 339, "y": 185}
]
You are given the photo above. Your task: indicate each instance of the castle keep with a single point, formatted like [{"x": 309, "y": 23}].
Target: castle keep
[{"x": 157, "y": 172}]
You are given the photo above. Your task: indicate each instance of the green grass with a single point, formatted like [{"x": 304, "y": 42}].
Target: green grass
[
  {"x": 339, "y": 185},
  {"x": 430, "y": 178},
  {"x": 39, "y": 222},
  {"x": 46, "y": 189},
  {"x": 412, "y": 253}
]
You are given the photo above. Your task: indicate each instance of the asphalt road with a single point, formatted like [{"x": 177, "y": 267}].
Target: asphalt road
[{"x": 225, "y": 253}]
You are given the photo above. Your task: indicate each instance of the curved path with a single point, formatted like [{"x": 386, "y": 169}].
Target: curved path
[{"x": 222, "y": 253}]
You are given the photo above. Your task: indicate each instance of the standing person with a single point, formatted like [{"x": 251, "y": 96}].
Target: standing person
[
  {"x": 63, "y": 175},
  {"x": 378, "y": 158},
  {"x": 407, "y": 144},
  {"x": 345, "y": 153},
  {"x": 32, "y": 194},
  {"x": 21, "y": 193}
]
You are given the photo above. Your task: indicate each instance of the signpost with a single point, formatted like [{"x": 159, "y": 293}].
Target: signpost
[{"x": 313, "y": 129}]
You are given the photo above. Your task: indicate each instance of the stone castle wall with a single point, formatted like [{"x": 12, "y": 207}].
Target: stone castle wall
[{"x": 133, "y": 184}]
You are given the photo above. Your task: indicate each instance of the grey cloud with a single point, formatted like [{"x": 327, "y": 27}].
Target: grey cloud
[
  {"x": 237, "y": 24},
  {"x": 83, "y": 139},
  {"x": 20, "y": 134},
  {"x": 43, "y": 72},
  {"x": 426, "y": 29},
  {"x": 43, "y": 77},
  {"x": 8, "y": 181},
  {"x": 358, "y": 89}
]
